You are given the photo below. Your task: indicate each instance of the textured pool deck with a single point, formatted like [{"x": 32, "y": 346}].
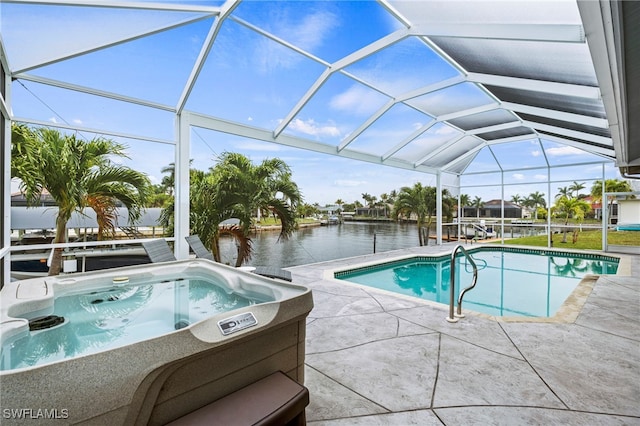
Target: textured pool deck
[{"x": 376, "y": 359}]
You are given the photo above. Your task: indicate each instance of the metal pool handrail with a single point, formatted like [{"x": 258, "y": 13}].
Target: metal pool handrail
[{"x": 458, "y": 315}]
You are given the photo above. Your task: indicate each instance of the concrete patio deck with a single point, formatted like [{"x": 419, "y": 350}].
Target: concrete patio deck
[{"x": 375, "y": 359}]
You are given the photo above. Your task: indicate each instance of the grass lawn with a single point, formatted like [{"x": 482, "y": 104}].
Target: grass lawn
[
  {"x": 270, "y": 220},
  {"x": 587, "y": 240}
]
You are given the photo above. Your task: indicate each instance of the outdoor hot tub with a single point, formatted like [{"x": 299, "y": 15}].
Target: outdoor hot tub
[{"x": 143, "y": 344}]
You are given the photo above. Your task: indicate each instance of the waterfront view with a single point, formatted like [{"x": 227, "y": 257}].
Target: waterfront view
[{"x": 321, "y": 243}]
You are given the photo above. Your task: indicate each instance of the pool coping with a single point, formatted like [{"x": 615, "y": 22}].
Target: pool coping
[{"x": 567, "y": 313}]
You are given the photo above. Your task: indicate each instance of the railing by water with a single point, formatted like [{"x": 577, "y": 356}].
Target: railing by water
[{"x": 455, "y": 317}]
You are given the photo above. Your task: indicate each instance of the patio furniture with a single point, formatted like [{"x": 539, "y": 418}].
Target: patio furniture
[
  {"x": 158, "y": 250},
  {"x": 198, "y": 247}
]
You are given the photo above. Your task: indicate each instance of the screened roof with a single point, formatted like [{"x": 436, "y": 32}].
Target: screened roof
[{"x": 422, "y": 85}]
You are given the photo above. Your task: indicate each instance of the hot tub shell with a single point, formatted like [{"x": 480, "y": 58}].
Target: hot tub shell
[{"x": 160, "y": 379}]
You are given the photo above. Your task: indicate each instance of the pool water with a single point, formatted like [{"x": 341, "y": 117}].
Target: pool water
[
  {"x": 112, "y": 317},
  {"x": 518, "y": 283}
]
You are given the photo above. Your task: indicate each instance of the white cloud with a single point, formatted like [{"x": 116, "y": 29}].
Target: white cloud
[
  {"x": 349, "y": 183},
  {"x": 540, "y": 177},
  {"x": 565, "y": 150},
  {"x": 310, "y": 127},
  {"x": 77, "y": 121},
  {"x": 308, "y": 34},
  {"x": 311, "y": 31},
  {"x": 517, "y": 176},
  {"x": 446, "y": 130},
  {"x": 357, "y": 99},
  {"x": 536, "y": 153}
]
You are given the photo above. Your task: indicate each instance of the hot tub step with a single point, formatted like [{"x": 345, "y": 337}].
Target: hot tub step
[{"x": 274, "y": 400}]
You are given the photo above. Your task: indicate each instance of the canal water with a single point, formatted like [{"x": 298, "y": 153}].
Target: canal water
[{"x": 322, "y": 243}]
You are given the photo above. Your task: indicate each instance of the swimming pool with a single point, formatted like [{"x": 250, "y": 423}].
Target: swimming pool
[{"x": 512, "y": 282}]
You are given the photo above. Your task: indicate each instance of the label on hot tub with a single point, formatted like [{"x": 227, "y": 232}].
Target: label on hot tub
[{"x": 237, "y": 323}]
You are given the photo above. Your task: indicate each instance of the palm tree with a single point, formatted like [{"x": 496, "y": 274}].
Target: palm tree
[
  {"x": 577, "y": 187},
  {"x": 564, "y": 192},
  {"x": 517, "y": 199},
  {"x": 168, "y": 182},
  {"x": 571, "y": 207},
  {"x": 384, "y": 202},
  {"x": 534, "y": 200},
  {"x": 306, "y": 210},
  {"x": 415, "y": 201},
  {"x": 477, "y": 203},
  {"x": 158, "y": 197},
  {"x": 448, "y": 205},
  {"x": 464, "y": 202},
  {"x": 236, "y": 188},
  {"x": 77, "y": 174},
  {"x": 393, "y": 194},
  {"x": 611, "y": 185},
  {"x": 370, "y": 200},
  {"x": 210, "y": 206}
]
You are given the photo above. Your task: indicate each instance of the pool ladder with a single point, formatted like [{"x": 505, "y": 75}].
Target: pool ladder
[{"x": 455, "y": 317}]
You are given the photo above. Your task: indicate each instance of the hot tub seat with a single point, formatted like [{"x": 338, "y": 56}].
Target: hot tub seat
[{"x": 274, "y": 400}]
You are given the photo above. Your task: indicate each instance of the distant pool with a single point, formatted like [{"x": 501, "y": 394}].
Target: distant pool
[
  {"x": 629, "y": 227},
  {"x": 512, "y": 282}
]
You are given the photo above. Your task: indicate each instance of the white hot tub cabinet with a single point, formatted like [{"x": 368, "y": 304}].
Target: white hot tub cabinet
[{"x": 157, "y": 380}]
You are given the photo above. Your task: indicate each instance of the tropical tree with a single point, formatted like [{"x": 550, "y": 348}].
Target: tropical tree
[
  {"x": 244, "y": 188},
  {"x": 77, "y": 174},
  {"x": 577, "y": 187},
  {"x": 168, "y": 182},
  {"x": 568, "y": 207},
  {"x": 158, "y": 197},
  {"x": 393, "y": 194},
  {"x": 477, "y": 203},
  {"x": 306, "y": 210},
  {"x": 517, "y": 199},
  {"x": 349, "y": 207},
  {"x": 448, "y": 205},
  {"x": 534, "y": 200},
  {"x": 565, "y": 191},
  {"x": 370, "y": 200},
  {"x": 611, "y": 185},
  {"x": 417, "y": 202},
  {"x": 235, "y": 188},
  {"x": 464, "y": 202},
  {"x": 384, "y": 202}
]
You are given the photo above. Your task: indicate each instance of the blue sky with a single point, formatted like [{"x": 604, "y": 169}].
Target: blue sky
[{"x": 252, "y": 80}]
